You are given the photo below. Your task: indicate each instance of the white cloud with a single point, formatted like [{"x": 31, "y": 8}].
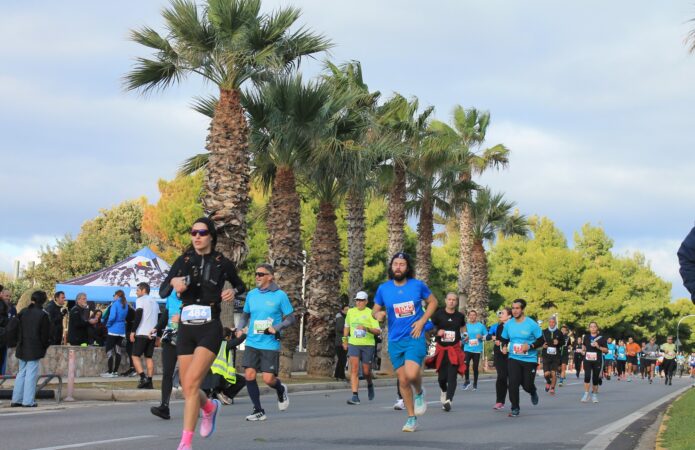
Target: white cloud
[{"x": 25, "y": 252}]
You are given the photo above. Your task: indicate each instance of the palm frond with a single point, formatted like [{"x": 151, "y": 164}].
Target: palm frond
[
  {"x": 205, "y": 105},
  {"x": 193, "y": 164},
  {"x": 151, "y": 75}
]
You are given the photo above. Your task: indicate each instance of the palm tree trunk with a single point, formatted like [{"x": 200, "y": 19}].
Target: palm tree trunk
[
  {"x": 479, "y": 291},
  {"x": 396, "y": 224},
  {"x": 424, "y": 239},
  {"x": 465, "y": 249},
  {"x": 285, "y": 254},
  {"x": 225, "y": 196},
  {"x": 323, "y": 279},
  {"x": 354, "y": 204}
]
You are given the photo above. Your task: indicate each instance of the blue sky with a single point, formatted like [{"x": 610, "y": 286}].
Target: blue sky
[{"x": 595, "y": 99}]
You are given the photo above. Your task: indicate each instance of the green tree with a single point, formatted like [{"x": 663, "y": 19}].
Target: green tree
[{"x": 226, "y": 42}]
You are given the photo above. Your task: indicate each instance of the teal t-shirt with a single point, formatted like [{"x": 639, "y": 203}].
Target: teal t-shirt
[
  {"x": 473, "y": 344},
  {"x": 266, "y": 309},
  {"x": 610, "y": 356},
  {"x": 518, "y": 333},
  {"x": 173, "y": 307},
  {"x": 622, "y": 355}
]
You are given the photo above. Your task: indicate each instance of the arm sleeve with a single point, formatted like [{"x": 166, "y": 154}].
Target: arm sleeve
[
  {"x": 136, "y": 321},
  {"x": 244, "y": 320},
  {"x": 686, "y": 259},
  {"x": 289, "y": 320},
  {"x": 162, "y": 321},
  {"x": 175, "y": 271}
]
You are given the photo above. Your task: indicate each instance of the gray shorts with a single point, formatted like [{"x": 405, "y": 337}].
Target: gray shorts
[
  {"x": 364, "y": 353},
  {"x": 266, "y": 361}
]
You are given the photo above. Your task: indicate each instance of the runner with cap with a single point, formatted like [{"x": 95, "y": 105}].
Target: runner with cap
[
  {"x": 358, "y": 339},
  {"x": 399, "y": 299}
]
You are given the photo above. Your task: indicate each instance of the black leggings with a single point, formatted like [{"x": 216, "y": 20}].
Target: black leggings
[
  {"x": 476, "y": 361},
  {"x": 447, "y": 377},
  {"x": 621, "y": 367},
  {"x": 168, "y": 367},
  {"x": 592, "y": 371},
  {"x": 113, "y": 352},
  {"x": 520, "y": 374},
  {"x": 668, "y": 367},
  {"x": 578, "y": 363},
  {"x": 501, "y": 365}
]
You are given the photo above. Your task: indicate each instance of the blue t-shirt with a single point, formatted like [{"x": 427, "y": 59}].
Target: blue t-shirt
[
  {"x": 610, "y": 356},
  {"x": 266, "y": 309},
  {"x": 173, "y": 307},
  {"x": 402, "y": 305},
  {"x": 622, "y": 355},
  {"x": 526, "y": 332},
  {"x": 473, "y": 330}
]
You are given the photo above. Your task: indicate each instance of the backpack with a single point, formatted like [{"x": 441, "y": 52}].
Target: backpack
[
  {"x": 12, "y": 332},
  {"x": 105, "y": 314}
]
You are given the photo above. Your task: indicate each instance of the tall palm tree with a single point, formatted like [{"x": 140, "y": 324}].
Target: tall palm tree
[
  {"x": 227, "y": 42},
  {"x": 491, "y": 214},
  {"x": 468, "y": 133},
  {"x": 286, "y": 117}
]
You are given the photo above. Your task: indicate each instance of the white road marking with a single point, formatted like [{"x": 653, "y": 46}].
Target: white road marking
[
  {"x": 89, "y": 444},
  {"x": 606, "y": 433}
]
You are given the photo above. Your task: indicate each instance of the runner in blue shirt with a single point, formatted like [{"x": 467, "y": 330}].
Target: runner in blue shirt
[
  {"x": 621, "y": 359},
  {"x": 521, "y": 337},
  {"x": 473, "y": 347},
  {"x": 399, "y": 299},
  {"x": 609, "y": 360}
]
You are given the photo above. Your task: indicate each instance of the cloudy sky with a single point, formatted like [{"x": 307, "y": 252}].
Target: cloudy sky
[{"x": 596, "y": 100}]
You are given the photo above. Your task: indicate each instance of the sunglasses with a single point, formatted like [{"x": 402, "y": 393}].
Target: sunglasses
[
  {"x": 261, "y": 274},
  {"x": 200, "y": 233}
]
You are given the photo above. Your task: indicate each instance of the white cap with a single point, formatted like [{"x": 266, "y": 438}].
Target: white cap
[{"x": 361, "y": 295}]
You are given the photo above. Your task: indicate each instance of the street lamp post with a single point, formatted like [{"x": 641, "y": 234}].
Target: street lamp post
[{"x": 678, "y": 341}]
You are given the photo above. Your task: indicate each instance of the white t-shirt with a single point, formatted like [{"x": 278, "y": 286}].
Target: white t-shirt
[{"x": 150, "y": 311}]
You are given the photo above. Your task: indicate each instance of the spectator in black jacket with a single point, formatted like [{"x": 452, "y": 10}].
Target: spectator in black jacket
[
  {"x": 56, "y": 311},
  {"x": 4, "y": 318},
  {"x": 34, "y": 328},
  {"x": 79, "y": 321},
  {"x": 686, "y": 258}
]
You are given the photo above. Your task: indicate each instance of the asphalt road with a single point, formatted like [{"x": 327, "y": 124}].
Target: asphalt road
[{"x": 320, "y": 420}]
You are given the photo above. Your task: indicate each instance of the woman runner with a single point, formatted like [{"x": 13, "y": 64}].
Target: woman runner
[
  {"x": 593, "y": 347},
  {"x": 500, "y": 358}
]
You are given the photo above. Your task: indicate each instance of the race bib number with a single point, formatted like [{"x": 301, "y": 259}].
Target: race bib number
[
  {"x": 578, "y": 350},
  {"x": 591, "y": 356},
  {"x": 449, "y": 336},
  {"x": 196, "y": 314},
  {"x": 517, "y": 349},
  {"x": 259, "y": 326},
  {"x": 360, "y": 333},
  {"x": 405, "y": 309},
  {"x": 473, "y": 342},
  {"x": 552, "y": 350}
]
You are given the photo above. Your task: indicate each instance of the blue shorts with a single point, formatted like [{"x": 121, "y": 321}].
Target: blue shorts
[{"x": 409, "y": 349}]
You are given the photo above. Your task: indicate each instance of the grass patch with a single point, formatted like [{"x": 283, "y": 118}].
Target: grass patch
[{"x": 678, "y": 428}]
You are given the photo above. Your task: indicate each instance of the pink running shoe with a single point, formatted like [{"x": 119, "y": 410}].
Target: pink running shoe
[
  {"x": 184, "y": 446},
  {"x": 207, "y": 424},
  {"x": 498, "y": 406}
]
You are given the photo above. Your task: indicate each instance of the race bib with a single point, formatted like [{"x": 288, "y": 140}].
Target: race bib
[
  {"x": 472, "y": 342},
  {"x": 517, "y": 349},
  {"x": 552, "y": 350},
  {"x": 259, "y": 326},
  {"x": 578, "y": 350},
  {"x": 449, "y": 336},
  {"x": 591, "y": 356},
  {"x": 360, "y": 333},
  {"x": 405, "y": 309},
  {"x": 196, "y": 314}
]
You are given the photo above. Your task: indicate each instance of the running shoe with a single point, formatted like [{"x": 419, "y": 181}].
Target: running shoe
[
  {"x": 107, "y": 375},
  {"x": 183, "y": 446},
  {"x": 514, "y": 413},
  {"x": 256, "y": 416},
  {"x": 547, "y": 387},
  {"x": 420, "y": 403},
  {"x": 650, "y": 381},
  {"x": 670, "y": 382},
  {"x": 354, "y": 400},
  {"x": 629, "y": 380},
  {"x": 475, "y": 387},
  {"x": 552, "y": 391},
  {"x": 161, "y": 411},
  {"x": 442, "y": 397},
  {"x": 534, "y": 397},
  {"x": 498, "y": 406},
  {"x": 446, "y": 406},
  {"x": 283, "y": 399},
  {"x": 399, "y": 405},
  {"x": 466, "y": 385},
  {"x": 585, "y": 397},
  {"x": 142, "y": 383},
  {"x": 207, "y": 425},
  {"x": 594, "y": 398},
  {"x": 223, "y": 398},
  {"x": 410, "y": 425},
  {"x": 370, "y": 392}
]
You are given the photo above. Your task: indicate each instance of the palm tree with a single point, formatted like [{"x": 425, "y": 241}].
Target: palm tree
[
  {"x": 491, "y": 214},
  {"x": 285, "y": 116},
  {"x": 468, "y": 134},
  {"x": 227, "y": 42}
]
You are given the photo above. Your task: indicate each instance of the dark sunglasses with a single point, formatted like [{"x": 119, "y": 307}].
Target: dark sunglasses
[
  {"x": 200, "y": 233},
  {"x": 261, "y": 274}
]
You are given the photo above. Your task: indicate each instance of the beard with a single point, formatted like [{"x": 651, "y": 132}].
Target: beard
[{"x": 399, "y": 277}]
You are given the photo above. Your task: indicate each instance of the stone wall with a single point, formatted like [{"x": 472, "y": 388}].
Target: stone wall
[{"x": 92, "y": 361}]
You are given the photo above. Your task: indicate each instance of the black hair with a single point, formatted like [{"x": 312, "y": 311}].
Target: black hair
[
  {"x": 211, "y": 228},
  {"x": 58, "y": 294},
  {"x": 39, "y": 298},
  {"x": 410, "y": 273},
  {"x": 520, "y": 301},
  {"x": 144, "y": 286},
  {"x": 267, "y": 267}
]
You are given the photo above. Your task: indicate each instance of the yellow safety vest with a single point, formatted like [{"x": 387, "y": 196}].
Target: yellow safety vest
[{"x": 223, "y": 366}]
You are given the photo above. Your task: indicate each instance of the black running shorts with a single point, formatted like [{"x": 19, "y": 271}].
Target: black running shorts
[{"x": 208, "y": 335}]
